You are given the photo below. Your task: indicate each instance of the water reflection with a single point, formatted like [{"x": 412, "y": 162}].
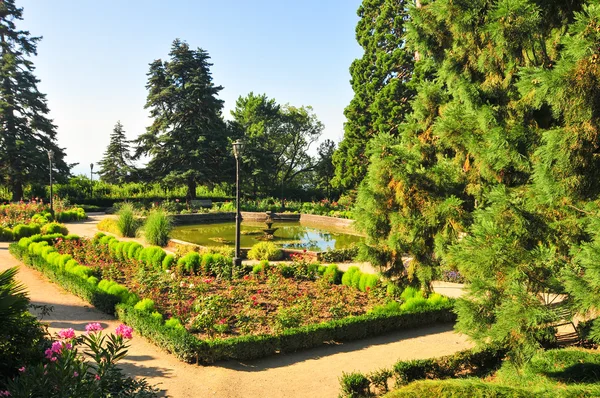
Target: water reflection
[{"x": 288, "y": 235}]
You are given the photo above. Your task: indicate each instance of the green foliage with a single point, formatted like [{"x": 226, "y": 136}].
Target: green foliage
[
  {"x": 127, "y": 223},
  {"x": 379, "y": 81},
  {"x": 27, "y": 135},
  {"x": 355, "y": 385},
  {"x": 190, "y": 263},
  {"x": 332, "y": 274},
  {"x": 152, "y": 256},
  {"x": 265, "y": 251},
  {"x": 145, "y": 305},
  {"x": 184, "y": 107},
  {"x": 168, "y": 262},
  {"x": 115, "y": 166},
  {"x": 277, "y": 141},
  {"x": 157, "y": 228},
  {"x": 349, "y": 275},
  {"x": 339, "y": 255},
  {"x": 54, "y": 228}
]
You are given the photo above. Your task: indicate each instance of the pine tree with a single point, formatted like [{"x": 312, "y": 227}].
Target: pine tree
[
  {"x": 462, "y": 184},
  {"x": 381, "y": 96},
  {"x": 115, "y": 166},
  {"x": 26, "y": 133},
  {"x": 188, "y": 139}
]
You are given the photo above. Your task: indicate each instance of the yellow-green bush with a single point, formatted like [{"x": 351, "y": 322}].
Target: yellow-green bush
[{"x": 265, "y": 251}]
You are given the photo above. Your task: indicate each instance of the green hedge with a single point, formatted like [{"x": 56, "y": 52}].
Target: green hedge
[
  {"x": 108, "y": 297},
  {"x": 467, "y": 363}
]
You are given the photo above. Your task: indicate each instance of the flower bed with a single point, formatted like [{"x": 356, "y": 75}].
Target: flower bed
[{"x": 203, "y": 309}]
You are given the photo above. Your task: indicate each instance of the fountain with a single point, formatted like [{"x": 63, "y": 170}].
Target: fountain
[{"x": 269, "y": 231}]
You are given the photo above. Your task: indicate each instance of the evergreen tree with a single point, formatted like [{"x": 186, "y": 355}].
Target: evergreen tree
[
  {"x": 188, "y": 139},
  {"x": 379, "y": 77},
  {"x": 26, "y": 133},
  {"x": 476, "y": 179},
  {"x": 115, "y": 166}
]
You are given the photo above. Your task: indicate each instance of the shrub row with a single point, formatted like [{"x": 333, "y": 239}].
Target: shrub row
[
  {"x": 338, "y": 255},
  {"x": 356, "y": 278},
  {"x": 468, "y": 363},
  {"x": 75, "y": 214},
  {"x": 26, "y": 230}
]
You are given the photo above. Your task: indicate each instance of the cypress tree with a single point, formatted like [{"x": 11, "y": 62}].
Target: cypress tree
[
  {"x": 379, "y": 77},
  {"x": 115, "y": 166},
  {"x": 26, "y": 133},
  {"x": 188, "y": 139}
]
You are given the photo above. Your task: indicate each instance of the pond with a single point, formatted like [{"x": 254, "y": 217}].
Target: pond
[{"x": 289, "y": 235}]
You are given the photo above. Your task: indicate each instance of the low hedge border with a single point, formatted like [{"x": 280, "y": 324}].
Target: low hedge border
[
  {"x": 467, "y": 363},
  {"x": 187, "y": 347}
]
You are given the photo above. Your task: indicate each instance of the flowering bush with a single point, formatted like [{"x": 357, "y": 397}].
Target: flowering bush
[{"x": 80, "y": 366}]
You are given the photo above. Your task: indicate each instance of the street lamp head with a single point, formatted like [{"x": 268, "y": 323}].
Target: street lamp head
[
  {"x": 238, "y": 148},
  {"x": 91, "y": 166},
  {"x": 50, "y": 154}
]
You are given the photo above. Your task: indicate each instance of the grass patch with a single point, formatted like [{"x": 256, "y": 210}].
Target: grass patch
[{"x": 157, "y": 228}]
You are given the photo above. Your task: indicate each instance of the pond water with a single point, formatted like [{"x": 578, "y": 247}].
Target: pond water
[{"x": 292, "y": 235}]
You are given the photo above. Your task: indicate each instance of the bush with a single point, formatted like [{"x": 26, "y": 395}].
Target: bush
[
  {"x": 6, "y": 235},
  {"x": 54, "y": 228},
  {"x": 109, "y": 225},
  {"x": 338, "y": 255},
  {"x": 152, "y": 256},
  {"x": 190, "y": 263},
  {"x": 168, "y": 261},
  {"x": 145, "y": 305},
  {"x": 127, "y": 223},
  {"x": 157, "y": 228},
  {"x": 332, "y": 274},
  {"x": 349, "y": 275},
  {"x": 265, "y": 251},
  {"x": 355, "y": 385}
]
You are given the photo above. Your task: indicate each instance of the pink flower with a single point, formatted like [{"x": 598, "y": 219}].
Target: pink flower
[
  {"x": 124, "y": 331},
  {"x": 22, "y": 369},
  {"x": 53, "y": 359},
  {"x": 67, "y": 334},
  {"x": 75, "y": 374},
  {"x": 57, "y": 347},
  {"x": 207, "y": 280},
  {"x": 253, "y": 298},
  {"x": 97, "y": 377},
  {"x": 93, "y": 327},
  {"x": 5, "y": 393},
  {"x": 48, "y": 353}
]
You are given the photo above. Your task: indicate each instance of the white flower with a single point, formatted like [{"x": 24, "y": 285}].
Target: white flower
[
  {"x": 191, "y": 286},
  {"x": 182, "y": 284},
  {"x": 172, "y": 276},
  {"x": 168, "y": 271}
]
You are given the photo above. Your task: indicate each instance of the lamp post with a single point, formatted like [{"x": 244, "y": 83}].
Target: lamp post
[
  {"x": 91, "y": 179},
  {"x": 238, "y": 147},
  {"x": 50, "y": 159}
]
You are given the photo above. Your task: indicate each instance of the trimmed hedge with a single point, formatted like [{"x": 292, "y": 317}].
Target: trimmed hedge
[
  {"x": 467, "y": 363},
  {"x": 109, "y": 296}
]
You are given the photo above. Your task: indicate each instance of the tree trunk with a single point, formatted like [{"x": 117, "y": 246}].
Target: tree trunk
[
  {"x": 191, "y": 193},
  {"x": 17, "y": 191}
]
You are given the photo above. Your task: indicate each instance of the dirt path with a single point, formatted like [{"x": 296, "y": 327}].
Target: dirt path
[{"x": 311, "y": 373}]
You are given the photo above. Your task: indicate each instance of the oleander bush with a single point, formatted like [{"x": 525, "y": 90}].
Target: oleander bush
[{"x": 338, "y": 255}]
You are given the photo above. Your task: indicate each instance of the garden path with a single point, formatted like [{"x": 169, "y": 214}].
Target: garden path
[{"x": 311, "y": 373}]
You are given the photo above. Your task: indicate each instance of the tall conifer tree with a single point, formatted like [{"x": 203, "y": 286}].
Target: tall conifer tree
[
  {"x": 379, "y": 77},
  {"x": 188, "y": 139},
  {"x": 26, "y": 133},
  {"x": 115, "y": 166}
]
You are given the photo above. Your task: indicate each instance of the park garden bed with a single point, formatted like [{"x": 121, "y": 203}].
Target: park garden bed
[
  {"x": 203, "y": 309},
  {"x": 24, "y": 219}
]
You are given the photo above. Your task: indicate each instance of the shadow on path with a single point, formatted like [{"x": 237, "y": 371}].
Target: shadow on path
[{"x": 283, "y": 360}]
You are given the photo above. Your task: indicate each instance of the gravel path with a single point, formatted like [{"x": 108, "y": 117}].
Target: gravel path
[{"x": 311, "y": 373}]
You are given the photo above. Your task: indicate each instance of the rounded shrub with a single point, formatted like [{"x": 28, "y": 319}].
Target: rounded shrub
[
  {"x": 168, "y": 261},
  {"x": 22, "y": 231},
  {"x": 372, "y": 281},
  {"x": 82, "y": 271},
  {"x": 157, "y": 316},
  {"x": 173, "y": 323},
  {"x": 362, "y": 283},
  {"x": 70, "y": 265},
  {"x": 54, "y": 228},
  {"x": 92, "y": 280},
  {"x": 332, "y": 274},
  {"x": 206, "y": 262},
  {"x": 62, "y": 260},
  {"x": 145, "y": 305},
  {"x": 411, "y": 292},
  {"x": 348, "y": 275},
  {"x": 6, "y": 234},
  {"x": 356, "y": 279},
  {"x": 157, "y": 228},
  {"x": 191, "y": 262},
  {"x": 265, "y": 251},
  {"x": 119, "y": 291},
  {"x": 134, "y": 250}
]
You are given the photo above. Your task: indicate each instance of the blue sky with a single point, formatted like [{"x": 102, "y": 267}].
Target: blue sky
[{"x": 94, "y": 57}]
